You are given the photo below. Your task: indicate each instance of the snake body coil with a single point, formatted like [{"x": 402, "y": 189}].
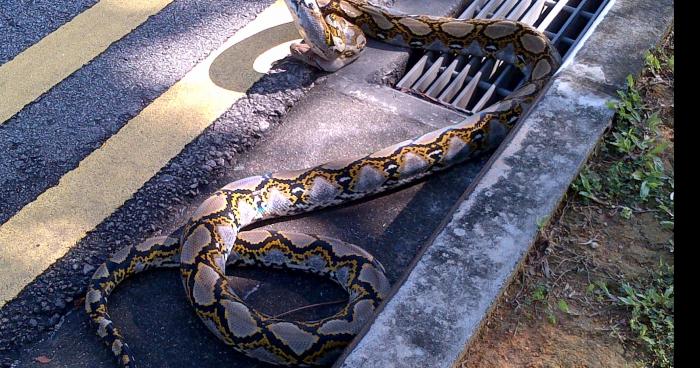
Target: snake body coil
[{"x": 334, "y": 32}]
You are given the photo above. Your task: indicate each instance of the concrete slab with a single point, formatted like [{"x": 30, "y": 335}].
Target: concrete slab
[
  {"x": 362, "y": 80},
  {"x": 392, "y": 227}
]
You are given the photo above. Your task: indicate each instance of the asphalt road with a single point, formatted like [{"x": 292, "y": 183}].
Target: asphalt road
[
  {"x": 25, "y": 22},
  {"x": 52, "y": 135},
  {"x": 281, "y": 123}
]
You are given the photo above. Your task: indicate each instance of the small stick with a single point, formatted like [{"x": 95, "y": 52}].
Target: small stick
[{"x": 310, "y": 306}]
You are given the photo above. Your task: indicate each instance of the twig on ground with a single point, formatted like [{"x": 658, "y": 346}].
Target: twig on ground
[{"x": 310, "y": 306}]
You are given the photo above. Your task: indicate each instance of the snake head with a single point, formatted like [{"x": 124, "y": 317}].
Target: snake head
[
  {"x": 301, "y": 6},
  {"x": 330, "y": 41},
  {"x": 309, "y": 21}
]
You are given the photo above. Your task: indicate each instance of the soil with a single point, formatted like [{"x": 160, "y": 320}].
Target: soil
[{"x": 583, "y": 244}]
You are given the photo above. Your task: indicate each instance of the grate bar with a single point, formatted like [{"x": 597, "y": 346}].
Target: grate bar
[
  {"x": 534, "y": 13},
  {"x": 463, "y": 81},
  {"x": 553, "y": 13},
  {"x": 456, "y": 84},
  {"x": 504, "y": 9},
  {"x": 471, "y": 10},
  {"x": 441, "y": 82},
  {"x": 430, "y": 75},
  {"x": 413, "y": 74},
  {"x": 519, "y": 10},
  {"x": 487, "y": 11},
  {"x": 570, "y": 19}
]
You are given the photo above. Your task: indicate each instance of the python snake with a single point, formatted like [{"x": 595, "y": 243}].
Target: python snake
[{"x": 334, "y": 35}]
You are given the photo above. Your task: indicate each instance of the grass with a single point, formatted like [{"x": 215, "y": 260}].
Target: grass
[
  {"x": 652, "y": 318},
  {"x": 651, "y": 311},
  {"x": 637, "y": 179}
]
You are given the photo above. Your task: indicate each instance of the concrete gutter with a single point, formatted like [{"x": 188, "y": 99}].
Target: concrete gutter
[{"x": 442, "y": 301}]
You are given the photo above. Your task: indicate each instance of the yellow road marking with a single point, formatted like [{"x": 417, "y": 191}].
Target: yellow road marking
[
  {"x": 46, "y": 63},
  {"x": 45, "y": 229}
]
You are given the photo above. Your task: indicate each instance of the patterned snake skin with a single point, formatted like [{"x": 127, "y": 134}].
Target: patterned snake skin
[{"x": 334, "y": 35}]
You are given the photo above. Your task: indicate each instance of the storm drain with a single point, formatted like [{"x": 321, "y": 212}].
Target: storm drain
[{"x": 469, "y": 84}]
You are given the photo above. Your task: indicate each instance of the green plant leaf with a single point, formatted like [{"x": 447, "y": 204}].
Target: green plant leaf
[
  {"x": 644, "y": 190},
  {"x": 626, "y": 213},
  {"x": 563, "y": 306},
  {"x": 669, "y": 225}
]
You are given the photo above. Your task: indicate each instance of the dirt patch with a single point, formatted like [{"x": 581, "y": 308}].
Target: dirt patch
[
  {"x": 585, "y": 245},
  {"x": 551, "y": 315},
  {"x": 548, "y": 347}
]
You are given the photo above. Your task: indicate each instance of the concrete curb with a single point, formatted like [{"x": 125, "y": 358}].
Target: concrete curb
[{"x": 448, "y": 293}]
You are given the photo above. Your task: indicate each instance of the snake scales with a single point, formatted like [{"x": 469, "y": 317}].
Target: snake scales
[{"x": 334, "y": 34}]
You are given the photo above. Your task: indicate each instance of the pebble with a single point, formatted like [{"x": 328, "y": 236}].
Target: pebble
[
  {"x": 166, "y": 178},
  {"x": 87, "y": 268},
  {"x": 54, "y": 319}
]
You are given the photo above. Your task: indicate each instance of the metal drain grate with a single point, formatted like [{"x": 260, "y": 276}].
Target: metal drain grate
[{"x": 470, "y": 84}]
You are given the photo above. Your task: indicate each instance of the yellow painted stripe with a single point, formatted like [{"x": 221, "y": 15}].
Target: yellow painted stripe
[
  {"x": 46, "y": 63},
  {"x": 45, "y": 229}
]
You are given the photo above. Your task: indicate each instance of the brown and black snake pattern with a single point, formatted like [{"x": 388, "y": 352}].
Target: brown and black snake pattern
[{"x": 212, "y": 238}]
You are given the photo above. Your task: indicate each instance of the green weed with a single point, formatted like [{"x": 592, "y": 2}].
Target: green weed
[
  {"x": 636, "y": 174},
  {"x": 539, "y": 294},
  {"x": 652, "y": 309}
]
